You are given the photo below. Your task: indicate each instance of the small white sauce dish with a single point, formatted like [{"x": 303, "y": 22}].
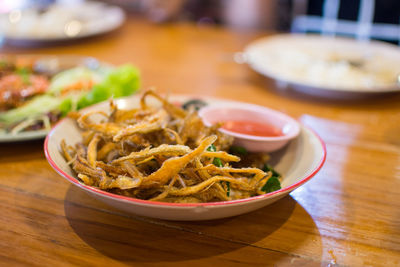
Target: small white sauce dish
[{"x": 289, "y": 127}]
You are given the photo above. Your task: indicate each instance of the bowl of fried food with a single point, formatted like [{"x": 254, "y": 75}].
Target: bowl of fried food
[{"x": 148, "y": 156}]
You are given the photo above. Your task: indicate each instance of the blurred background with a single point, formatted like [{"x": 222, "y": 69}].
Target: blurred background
[{"x": 362, "y": 19}]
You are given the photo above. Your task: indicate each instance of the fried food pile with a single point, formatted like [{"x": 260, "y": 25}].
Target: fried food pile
[{"x": 162, "y": 153}]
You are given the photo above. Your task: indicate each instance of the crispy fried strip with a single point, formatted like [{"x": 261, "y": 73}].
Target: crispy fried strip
[
  {"x": 173, "y": 150},
  {"x": 112, "y": 155},
  {"x": 145, "y": 160},
  {"x": 149, "y": 124},
  {"x": 220, "y": 192},
  {"x": 75, "y": 115},
  {"x": 113, "y": 110},
  {"x": 173, "y": 166},
  {"x": 107, "y": 129},
  {"x": 71, "y": 161},
  {"x": 124, "y": 182},
  {"x": 140, "y": 128},
  {"x": 188, "y": 128},
  {"x": 190, "y": 174},
  {"x": 204, "y": 175},
  {"x": 254, "y": 182},
  {"x": 110, "y": 169},
  {"x": 181, "y": 181},
  {"x": 83, "y": 119},
  {"x": 104, "y": 150},
  {"x": 258, "y": 178},
  {"x": 92, "y": 150},
  {"x": 165, "y": 193},
  {"x": 132, "y": 170},
  {"x": 87, "y": 136},
  {"x": 132, "y": 116},
  {"x": 176, "y": 135},
  {"x": 80, "y": 150},
  {"x": 80, "y": 165},
  {"x": 172, "y": 109},
  {"x": 222, "y": 155},
  {"x": 65, "y": 152},
  {"x": 85, "y": 179},
  {"x": 164, "y": 150},
  {"x": 234, "y": 170},
  {"x": 198, "y": 187}
]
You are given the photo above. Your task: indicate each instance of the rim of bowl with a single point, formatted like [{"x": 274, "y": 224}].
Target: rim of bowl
[
  {"x": 109, "y": 195},
  {"x": 279, "y": 116}
]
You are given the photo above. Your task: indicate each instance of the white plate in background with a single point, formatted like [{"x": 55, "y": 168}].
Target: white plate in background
[
  {"x": 326, "y": 66},
  {"x": 59, "y": 22}
]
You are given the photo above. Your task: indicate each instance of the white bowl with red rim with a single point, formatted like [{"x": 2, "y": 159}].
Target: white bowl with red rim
[
  {"x": 297, "y": 163},
  {"x": 276, "y": 129}
]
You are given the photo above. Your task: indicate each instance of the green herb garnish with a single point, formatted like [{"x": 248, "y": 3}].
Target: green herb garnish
[
  {"x": 228, "y": 189},
  {"x": 268, "y": 168},
  {"x": 273, "y": 182},
  {"x": 217, "y": 161},
  {"x": 212, "y": 148},
  {"x": 271, "y": 185},
  {"x": 24, "y": 74},
  {"x": 238, "y": 150}
]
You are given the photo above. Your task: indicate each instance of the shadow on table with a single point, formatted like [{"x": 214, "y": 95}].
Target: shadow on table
[
  {"x": 131, "y": 238},
  {"x": 19, "y": 151}
]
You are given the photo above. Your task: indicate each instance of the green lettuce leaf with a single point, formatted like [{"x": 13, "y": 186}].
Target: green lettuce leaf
[
  {"x": 122, "y": 81},
  {"x": 273, "y": 184},
  {"x": 34, "y": 108},
  {"x": 72, "y": 76}
]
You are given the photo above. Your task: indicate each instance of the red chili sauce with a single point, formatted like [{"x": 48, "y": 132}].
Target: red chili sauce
[{"x": 252, "y": 128}]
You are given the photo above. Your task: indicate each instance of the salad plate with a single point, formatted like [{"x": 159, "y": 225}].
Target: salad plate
[
  {"x": 64, "y": 81},
  {"x": 326, "y": 66},
  {"x": 297, "y": 162}
]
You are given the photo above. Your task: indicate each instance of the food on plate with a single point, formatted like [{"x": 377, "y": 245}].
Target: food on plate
[
  {"x": 32, "y": 100},
  {"x": 16, "y": 88},
  {"x": 333, "y": 69},
  {"x": 161, "y": 152}
]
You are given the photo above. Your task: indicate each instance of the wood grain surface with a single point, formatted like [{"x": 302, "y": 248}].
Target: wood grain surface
[{"x": 347, "y": 215}]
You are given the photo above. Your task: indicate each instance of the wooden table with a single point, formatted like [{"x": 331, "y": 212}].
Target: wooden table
[{"x": 348, "y": 214}]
